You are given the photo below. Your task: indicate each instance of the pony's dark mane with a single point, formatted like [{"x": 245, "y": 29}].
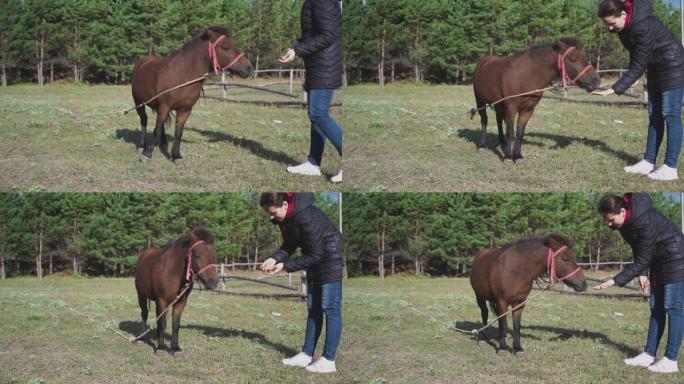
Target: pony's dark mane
[
  {"x": 201, "y": 38},
  {"x": 185, "y": 241},
  {"x": 543, "y": 48},
  {"x": 540, "y": 239}
]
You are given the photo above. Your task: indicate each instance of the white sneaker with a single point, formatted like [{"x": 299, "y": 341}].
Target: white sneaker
[
  {"x": 643, "y": 167},
  {"x": 322, "y": 365},
  {"x": 299, "y": 360},
  {"x": 337, "y": 178},
  {"x": 664, "y": 365},
  {"x": 305, "y": 168},
  {"x": 641, "y": 360},
  {"x": 664, "y": 173}
]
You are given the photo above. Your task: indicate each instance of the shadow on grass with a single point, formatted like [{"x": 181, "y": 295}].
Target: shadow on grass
[
  {"x": 253, "y": 146},
  {"x": 254, "y": 336},
  {"x": 132, "y": 136},
  {"x": 560, "y": 142},
  {"x": 134, "y": 328}
]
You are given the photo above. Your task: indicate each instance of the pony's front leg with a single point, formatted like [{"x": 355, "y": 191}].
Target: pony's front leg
[
  {"x": 501, "y": 308},
  {"x": 161, "y": 326},
  {"x": 510, "y": 132},
  {"x": 517, "y": 316},
  {"x": 182, "y": 116},
  {"x": 162, "y": 113},
  {"x": 177, "y": 311},
  {"x": 523, "y": 118}
]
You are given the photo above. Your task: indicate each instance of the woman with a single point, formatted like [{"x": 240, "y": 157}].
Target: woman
[
  {"x": 307, "y": 227},
  {"x": 658, "y": 247},
  {"x": 654, "y": 49},
  {"x": 321, "y": 48}
]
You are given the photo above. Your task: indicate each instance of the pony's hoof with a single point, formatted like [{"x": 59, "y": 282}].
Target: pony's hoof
[
  {"x": 519, "y": 352},
  {"x": 507, "y": 160},
  {"x": 160, "y": 352},
  {"x": 139, "y": 150},
  {"x": 502, "y": 351},
  {"x": 178, "y": 160},
  {"x": 481, "y": 149},
  {"x": 519, "y": 160},
  {"x": 177, "y": 354},
  {"x": 140, "y": 343},
  {"x": 144, "y": 158}
]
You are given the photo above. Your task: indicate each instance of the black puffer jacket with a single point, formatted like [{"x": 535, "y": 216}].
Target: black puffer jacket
[
  {"x": 321, "y": 44},
  {"x": 320, "y": 242},
  {"x": 656, "y": 243},
  {"x": 651, "y": 47}
]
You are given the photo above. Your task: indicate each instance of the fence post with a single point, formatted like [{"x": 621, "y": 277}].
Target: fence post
[
  {"x": 304, "y": 98},
  {"x": 289, "y": 280},
  {"x": 291, "y": 78},
  {"x": 223, "y": 83},
  {"x": 303, "y": 277}
]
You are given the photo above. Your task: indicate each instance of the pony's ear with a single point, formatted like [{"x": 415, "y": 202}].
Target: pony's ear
[
  {"x": 555, "y": 241},
  {"x": 204, "y": 34},
  {"x": 560, "y": 46}
]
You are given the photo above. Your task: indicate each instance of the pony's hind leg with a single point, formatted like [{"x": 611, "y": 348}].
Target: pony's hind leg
[
  {"x": 176, "y": 319},
  {"x": 161, "y": 326},
  {"x": 182, "y": 116},
  {"x": 509, "y": 116},
  {"x": 482, "y": 303},
  {"x": 144, "y": 312},
  {"x": 499, "y": 124},
  {"x": 482, "y": 110},
  {"x": 143, "y": 127}
]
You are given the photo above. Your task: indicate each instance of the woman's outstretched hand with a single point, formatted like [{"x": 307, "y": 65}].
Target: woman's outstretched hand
[
  {"x": 270, "y": 267},
  {"x": 605, "y": 284},
  {"x": 287, "y": 57},
  {"x": 605, "y": 93}
]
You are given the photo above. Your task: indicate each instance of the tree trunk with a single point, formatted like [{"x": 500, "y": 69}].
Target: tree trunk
[
  {"x": 39, "y": 257},
  {"x": 344, "y": 76},
  {"x": 598, "y": 258},
  {"x": 393, "y": 269},
  {"x": 50, "y": 264},
  {"x": 4, "y": 76},
  {"x": 52, "y": 72},
  {"x": 41, "y": 56},
  {"x": 2, "y": 268},
  {"x": 392, "y": 71},
  {"x": 416, "y": 70},
  {"x": 381, "y": 257},
  {"x": 381, "y": 64},
  {"x": 256, "y": 67}
]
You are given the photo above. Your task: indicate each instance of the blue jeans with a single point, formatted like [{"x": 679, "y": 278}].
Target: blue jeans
[
  {"x": 665, "y": 107},
  {"x": 324, "y": 299},
  {"x": 322, "y": 125},
  {"x": 666, "y": 299}
]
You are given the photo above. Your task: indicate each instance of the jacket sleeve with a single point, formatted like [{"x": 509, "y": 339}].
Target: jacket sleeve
[
  {"x": 643, "y": 252},
  {"x": 310, "y": 233},
  {"x": 326, "y": 16},
  {"x": 638, "y": 57},
  {"x": 286, "y": 249}
]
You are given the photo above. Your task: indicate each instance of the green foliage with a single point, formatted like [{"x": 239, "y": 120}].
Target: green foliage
[
  {"x": 102, "y": 234},
  {"x": 439, "y": 233}
]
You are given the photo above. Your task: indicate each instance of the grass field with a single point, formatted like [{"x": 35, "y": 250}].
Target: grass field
[
  {"x": 227, "y": 147},
  {"x": 388, "y": 337},
  {"x": 421, "y": 138}
]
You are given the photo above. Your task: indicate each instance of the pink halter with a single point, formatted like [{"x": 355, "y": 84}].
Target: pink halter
[
  {"x": 560, "y": 63},
  {"x": 551, "y": 266},
  {"x": 189, "y": 273},
  {"x": 214, "y": 58}
]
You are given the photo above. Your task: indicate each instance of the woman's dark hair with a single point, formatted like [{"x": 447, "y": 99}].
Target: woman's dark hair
[
  {"x": 611, "y": 204},
  {"x": 611, "y": 8},
  {"x": 272, "y": 199}
]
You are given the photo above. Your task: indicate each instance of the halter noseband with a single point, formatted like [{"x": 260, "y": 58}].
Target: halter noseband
[
  {"x": 560, "y": 63},
  {"x": 214, "y": 58},
  {"x": 551, "y": 266},
  {"x": 189, "y": 273}
]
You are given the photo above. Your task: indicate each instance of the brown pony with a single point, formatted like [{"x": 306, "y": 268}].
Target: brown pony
[
  {"x": 504, "y": 276},
  {"x": 161, "y": 275},
  {"x": 535, "y": 68},
  {"x": 212, "y": 50}
]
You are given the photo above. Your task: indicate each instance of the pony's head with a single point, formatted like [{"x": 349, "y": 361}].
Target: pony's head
[
  {"x": 563, "y": 259},
  {"x": 574, "y": 65},
  {"x": 223, "y": 52},
  {"x": 200, "y": 242}
]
